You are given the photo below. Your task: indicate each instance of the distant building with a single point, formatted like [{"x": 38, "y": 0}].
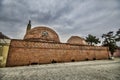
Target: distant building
[
  {"x": 117, "y": 52},
  {"x": 4, "y": 39},
  {"x": 4, "y": 46}
]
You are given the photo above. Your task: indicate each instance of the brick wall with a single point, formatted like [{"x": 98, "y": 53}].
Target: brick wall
[{"x": 23, "y": 52}]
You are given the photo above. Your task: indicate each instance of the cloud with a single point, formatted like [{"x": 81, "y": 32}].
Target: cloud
[{"x": 67, "y": 17}]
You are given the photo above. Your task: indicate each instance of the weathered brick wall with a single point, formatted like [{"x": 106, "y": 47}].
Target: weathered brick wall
[{"x": 26, "y": 52}]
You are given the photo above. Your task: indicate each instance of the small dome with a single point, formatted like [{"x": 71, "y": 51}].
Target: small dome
[
  {"x": 43, "y": 34},
  {"x": 76, "y": 40}
]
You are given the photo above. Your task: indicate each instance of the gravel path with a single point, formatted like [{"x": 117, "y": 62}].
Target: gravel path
[{"x": 86, "y": 70}]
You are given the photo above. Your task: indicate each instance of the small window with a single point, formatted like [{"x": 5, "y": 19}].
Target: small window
[
  {"x": 34, "y": 63},
  {"x": 73, "y": 60},
  {"x": 86, "y": 59},
  {"x": 94, "y": 58},
  {"x": 53, "y": 61}
]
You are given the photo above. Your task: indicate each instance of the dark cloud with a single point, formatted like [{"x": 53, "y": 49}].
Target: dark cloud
[{"x": 67, "y": 17}]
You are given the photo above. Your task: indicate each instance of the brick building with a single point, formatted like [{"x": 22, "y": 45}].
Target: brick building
[{"x": 42, "y": 45}]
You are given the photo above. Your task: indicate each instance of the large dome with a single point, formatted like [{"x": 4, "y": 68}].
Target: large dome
[
  {"x": 76, "y": 40},
  {"x": 42, "y": 33}
]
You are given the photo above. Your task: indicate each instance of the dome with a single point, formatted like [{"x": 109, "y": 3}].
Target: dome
[
  {"x": 43, "y": 34},
  {"x": 76, "y": 40}
]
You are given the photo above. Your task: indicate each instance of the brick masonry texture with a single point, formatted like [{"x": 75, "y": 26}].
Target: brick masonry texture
[
  {"x": 42, "y": 34},
  {"x": 42, "y": 45},
  {"x": 76, "y": 40},
  {"x": 24, "y": 52}
]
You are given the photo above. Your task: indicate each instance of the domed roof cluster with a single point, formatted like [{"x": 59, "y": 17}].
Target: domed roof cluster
[
  {"x": 76, "y": 40},
  {"x": 42, "y": 33},
  {"x": 45, "y": 34}
]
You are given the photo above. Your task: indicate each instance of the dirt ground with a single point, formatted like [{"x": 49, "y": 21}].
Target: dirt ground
[{"x": 85, "y": 70}]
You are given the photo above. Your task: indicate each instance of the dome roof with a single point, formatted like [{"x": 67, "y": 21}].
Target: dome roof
[
  {"x": 42, "y": 33},
  {"x": 76, "y": 40}
]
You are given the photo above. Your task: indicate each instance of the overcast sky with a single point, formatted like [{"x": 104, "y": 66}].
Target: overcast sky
[{"x": 66, "y": 17}]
